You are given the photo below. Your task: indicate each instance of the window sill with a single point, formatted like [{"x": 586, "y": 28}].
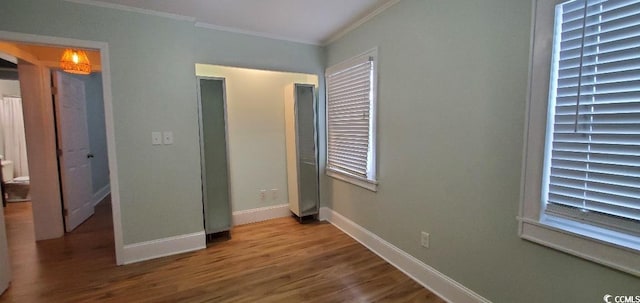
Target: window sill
[
  {"x": 366, "y": 184},
  {"x": 554, "y": 233}
]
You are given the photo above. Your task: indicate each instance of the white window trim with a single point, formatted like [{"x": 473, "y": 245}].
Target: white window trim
[
  {"x": 355, "y": 180},
  {"x": 623, "y": 252},
  {"x": 370, "y": 183}
]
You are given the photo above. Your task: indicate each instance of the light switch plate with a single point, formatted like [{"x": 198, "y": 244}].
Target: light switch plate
[
  {"x": 167, "y": 138},
  {"x": 156, "y": 138},
  {"x": 424, "y": 239}
]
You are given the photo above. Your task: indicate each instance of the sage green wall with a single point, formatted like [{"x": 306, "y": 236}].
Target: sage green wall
[
  {"x": 97, "y": 132},
  {"x": 452, "y": 92},
  {"x": 154, "y": 89},
  {"x": 255, "y": 119}
]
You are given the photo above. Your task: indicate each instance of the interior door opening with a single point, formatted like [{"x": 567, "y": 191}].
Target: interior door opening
[
  {"x": 73, "y": 148},
  {"x": 214, "y": 156},
  {"x": 247, "y": 128},
  {"x": 63, "y": 123}
]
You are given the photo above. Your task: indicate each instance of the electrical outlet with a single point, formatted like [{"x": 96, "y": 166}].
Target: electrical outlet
[
  {"x": 263, "y": 195},
  {"x": 274, "y": 194},
  {"x": 156, "y": 138},
  {"x": 424, "y": 239},
  {"x": 167, "y": 137}
]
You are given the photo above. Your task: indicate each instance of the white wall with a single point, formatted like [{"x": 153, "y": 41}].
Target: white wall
[
  {"x": 255, "y": 113},
  {"x": 10, "y": 88}
]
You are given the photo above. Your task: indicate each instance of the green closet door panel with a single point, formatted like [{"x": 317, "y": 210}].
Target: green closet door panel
[
  {"x": 217, "y": 203},
  {"x": 307, "y": 149}
]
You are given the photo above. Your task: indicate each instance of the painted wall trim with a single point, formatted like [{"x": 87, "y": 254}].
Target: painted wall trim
[
  {"x": 127, "y": 8},
  {"x": 7, "y": 57},
  {"x": 251, "y": 33},
  {"x": 354, "y": 25},
  {"x": 101, "y": 194},
  {"x": 260, "y": 214},
  {"x": 164, "y": 247},
  {"x": 150, "y": 12},
  {"x": 328, "y": 41},
  {"x": 425, "y": 275},
  {"x": 108, "y": 117}
]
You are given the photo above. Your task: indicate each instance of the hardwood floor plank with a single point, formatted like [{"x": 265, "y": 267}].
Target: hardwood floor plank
[{"x": 273, "y": 261}]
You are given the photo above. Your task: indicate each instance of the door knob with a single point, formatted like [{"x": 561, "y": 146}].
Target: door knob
[{"x": 89, "y": 155}]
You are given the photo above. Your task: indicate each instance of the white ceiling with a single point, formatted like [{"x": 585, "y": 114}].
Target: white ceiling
[{"x": 308, "y": 21}]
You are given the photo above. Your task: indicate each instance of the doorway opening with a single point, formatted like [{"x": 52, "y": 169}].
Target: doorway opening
[
  {"x": 55, "y": 172},
  {"x": 255, "y": 164},
  {"x": 55, "y": 109},
  {"x": 48, "y": 222}
]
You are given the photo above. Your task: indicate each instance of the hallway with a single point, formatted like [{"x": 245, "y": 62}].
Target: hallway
[{"x": 37, "y": 268}]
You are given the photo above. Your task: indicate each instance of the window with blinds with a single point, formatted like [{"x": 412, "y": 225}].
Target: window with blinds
[
  {"x": 351, "y": 118},
  {"x": 592, "y": 164}
]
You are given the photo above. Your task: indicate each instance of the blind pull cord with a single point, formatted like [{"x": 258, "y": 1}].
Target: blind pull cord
[{"x": 584, "y": 25}]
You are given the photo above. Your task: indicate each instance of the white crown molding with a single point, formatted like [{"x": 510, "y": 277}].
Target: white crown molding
[
  {"x": 251, "y": 33},
  {"x": 330, "y": 40},
  {"x": 134, "y": 9},
  {"x": 359, "y": 22},
  {"x": 427, "y": 276},
  {"x": 189, "y": 19}
]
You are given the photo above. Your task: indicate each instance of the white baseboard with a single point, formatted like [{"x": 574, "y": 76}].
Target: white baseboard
[
  {"x": 137, "y": 252},
  {"x": 101, "y": 194},
  {"x": 427, "y": 276},
  {"x": 260, "y": 214}
]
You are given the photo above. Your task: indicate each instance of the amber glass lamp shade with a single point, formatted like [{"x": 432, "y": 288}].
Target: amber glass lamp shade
[{"x": 75, "y": 61}]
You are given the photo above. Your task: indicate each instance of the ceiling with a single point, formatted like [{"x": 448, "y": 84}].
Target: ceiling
[{"x": 307, "y": 21}]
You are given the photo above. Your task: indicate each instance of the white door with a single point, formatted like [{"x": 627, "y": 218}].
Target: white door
[
  {"x": 74, "y": 153},
  {"x": 5, "y": 270}
]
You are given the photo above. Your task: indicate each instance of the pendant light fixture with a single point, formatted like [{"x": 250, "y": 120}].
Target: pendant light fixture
[{"x": 75, "y": 61}]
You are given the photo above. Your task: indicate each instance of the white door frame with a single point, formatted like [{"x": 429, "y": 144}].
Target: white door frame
[{"x": 108, "y": 115}]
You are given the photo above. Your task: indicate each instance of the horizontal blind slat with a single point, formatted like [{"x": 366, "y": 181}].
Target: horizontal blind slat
[
  {"x": 594, "y": 167},
  {"x": 348, "y": 109},
  {"x": 600, "y": 218}
]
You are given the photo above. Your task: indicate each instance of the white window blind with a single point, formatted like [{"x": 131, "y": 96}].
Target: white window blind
[
  {"x": 592, "y": 168},
  {"x": 349, "y": 123}
]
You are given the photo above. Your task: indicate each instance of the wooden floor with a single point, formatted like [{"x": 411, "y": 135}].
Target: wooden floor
[{"x": 274, "y": 261}]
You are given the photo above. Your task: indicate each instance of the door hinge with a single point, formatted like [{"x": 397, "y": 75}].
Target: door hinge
[
  {"x": 65, "y": 212},
  {"x": 54, "y": 90},
  {"x": 59, "y": 152}
]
